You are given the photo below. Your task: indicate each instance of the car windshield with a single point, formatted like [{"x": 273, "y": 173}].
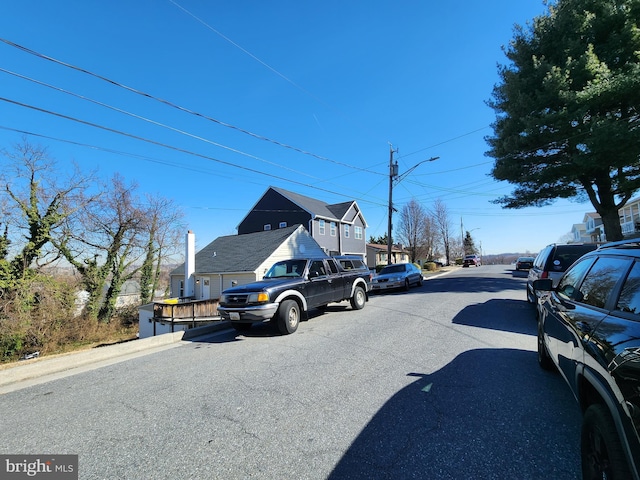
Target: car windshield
[
  {"x": 392, "y": 269},
  {"x": 286, "y": 268}
]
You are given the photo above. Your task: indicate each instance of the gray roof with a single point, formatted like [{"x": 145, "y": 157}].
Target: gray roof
[
  {"x": 311, "y": 205},
  {"x": 336, "y": 211},
  {"x": 239, "y": 253}
]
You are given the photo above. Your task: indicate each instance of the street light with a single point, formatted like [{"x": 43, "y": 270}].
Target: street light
[{"x": 394, "y": 179}]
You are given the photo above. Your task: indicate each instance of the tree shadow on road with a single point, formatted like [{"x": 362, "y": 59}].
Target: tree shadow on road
[
  {"x": 507, "y": 315},
  {"x": 490, "y": 413}
]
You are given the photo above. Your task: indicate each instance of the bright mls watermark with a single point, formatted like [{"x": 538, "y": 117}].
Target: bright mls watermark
[{"x": 50, "y": 467}]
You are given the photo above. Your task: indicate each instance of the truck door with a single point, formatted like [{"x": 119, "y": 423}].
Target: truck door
[
  {"x": 336, "y": 282},
  {"x": 319, "y": 287}
]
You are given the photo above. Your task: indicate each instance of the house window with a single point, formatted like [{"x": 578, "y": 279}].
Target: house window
[
  {"x": 358, "y": 233},
  {"x": 267, "y": 227},
  {"x": 181, "y": 289},
  {"x": 321, "y": 227},
  {"x": 332, "y": 227},
  {"x": 282, "y": 225},
  {"x": 346, "y": 231}
]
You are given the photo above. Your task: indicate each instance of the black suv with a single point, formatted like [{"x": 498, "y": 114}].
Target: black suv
[
  {"x": 552, "y": 261},
  {"x": 589, "y": 330}
]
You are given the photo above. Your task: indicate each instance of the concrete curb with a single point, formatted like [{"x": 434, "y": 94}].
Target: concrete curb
[{"x": 30, "y": 369}]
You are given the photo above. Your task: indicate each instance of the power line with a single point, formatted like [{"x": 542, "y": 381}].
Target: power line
[
  {"x": 170, "y": 147},
  {"x": 153, "y": 122},
  {"x": 180, "y": 108}
]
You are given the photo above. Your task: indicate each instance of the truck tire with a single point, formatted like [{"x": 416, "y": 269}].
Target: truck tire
[
  {"x": 359, "y": 298},
  {"x": 288, "y": 317}
]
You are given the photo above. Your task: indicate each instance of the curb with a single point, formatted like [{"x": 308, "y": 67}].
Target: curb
[{"x": 30, "y": 369}]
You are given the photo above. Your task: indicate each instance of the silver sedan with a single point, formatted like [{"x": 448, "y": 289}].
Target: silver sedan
[{"x": 399, "y": 275}]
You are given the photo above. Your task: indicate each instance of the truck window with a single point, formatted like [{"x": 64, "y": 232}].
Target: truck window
[
  {"x": 332, "y": 266},
  {"x": 317, "y": 269}
]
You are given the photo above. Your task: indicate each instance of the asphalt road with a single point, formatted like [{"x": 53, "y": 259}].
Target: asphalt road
[{"x": 439, "y": 382}]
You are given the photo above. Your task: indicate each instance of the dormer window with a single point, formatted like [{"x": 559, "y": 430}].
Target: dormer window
[
  {"x": 267, "y": 227},
  {"x": 282, "y": 225}
]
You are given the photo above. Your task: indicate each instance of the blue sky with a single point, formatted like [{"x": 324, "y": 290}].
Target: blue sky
[{"x": 306, "y": 96}]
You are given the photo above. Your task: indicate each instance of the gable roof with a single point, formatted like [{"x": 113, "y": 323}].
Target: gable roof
[
  {"x": 240, "y": 253},
  {"x": 317, "y": 208},
  {"x": 311, "y": 205}
]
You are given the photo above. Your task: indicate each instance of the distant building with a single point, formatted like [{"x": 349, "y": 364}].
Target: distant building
[{"x": 377, "y": 254}]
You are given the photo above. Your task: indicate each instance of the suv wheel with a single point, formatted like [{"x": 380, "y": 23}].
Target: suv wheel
[
  {"x": 600, "y": 446},
  {"x": 544, "y": 360}
]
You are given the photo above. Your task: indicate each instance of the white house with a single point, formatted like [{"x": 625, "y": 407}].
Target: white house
[{"x": 239, "y": 259}]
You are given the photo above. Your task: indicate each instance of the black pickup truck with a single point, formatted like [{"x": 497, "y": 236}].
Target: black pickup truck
[{"x": 293, "y": 287}]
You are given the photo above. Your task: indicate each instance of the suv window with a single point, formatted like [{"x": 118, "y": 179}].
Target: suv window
[
  {"x": 569, "y": 283},
  {"x": 629, "y": 300},
  {"x": 601, "y": 280},
  {"x": 564, "y": 255},
  {"x": 542, "y": 256}
]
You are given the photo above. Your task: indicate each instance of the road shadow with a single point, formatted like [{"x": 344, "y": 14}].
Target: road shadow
[
  {"x": 508, "y": 315},
  {"x": 266, "y": 329},
  {"x": 490, "y": 413}
]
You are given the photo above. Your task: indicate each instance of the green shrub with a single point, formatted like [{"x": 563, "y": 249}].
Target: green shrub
[{"x": 430, "y": 266}]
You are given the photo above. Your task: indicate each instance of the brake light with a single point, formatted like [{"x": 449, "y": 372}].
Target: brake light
[{"x": 544, "y": 274}]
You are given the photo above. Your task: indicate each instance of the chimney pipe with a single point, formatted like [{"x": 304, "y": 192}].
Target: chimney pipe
[{"x": 190, "y": 264}]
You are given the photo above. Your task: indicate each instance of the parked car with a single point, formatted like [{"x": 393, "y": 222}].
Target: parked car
[
  {"x": 471, "y": 260},
  {"x": 552, "y": 261},
  {"x": 398, "y": 275},
  {"x": 524, "y": 263},
  {"x": 589, "y": 330}
]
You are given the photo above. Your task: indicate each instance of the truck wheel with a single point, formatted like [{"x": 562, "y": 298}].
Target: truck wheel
[
  {"x": 359, "y": 298},
  {"x": 601, "y": 448},
  {"x": 288, "y": 317}
]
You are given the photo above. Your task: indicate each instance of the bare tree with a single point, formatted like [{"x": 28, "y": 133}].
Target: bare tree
[
  {"x": 163, "y": 230},
  {"x": 39, "y": 201},
  {"x": 412, "y": 229},
  {"x": 106, "y": 244},
  {"x": 444, "y": 227},
  {"x": 430, "y": 247}
]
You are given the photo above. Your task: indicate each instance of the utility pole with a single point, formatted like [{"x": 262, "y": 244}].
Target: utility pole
[
  {"x": 393, "y": 177},
  {"x": 393, "y": 172}
]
